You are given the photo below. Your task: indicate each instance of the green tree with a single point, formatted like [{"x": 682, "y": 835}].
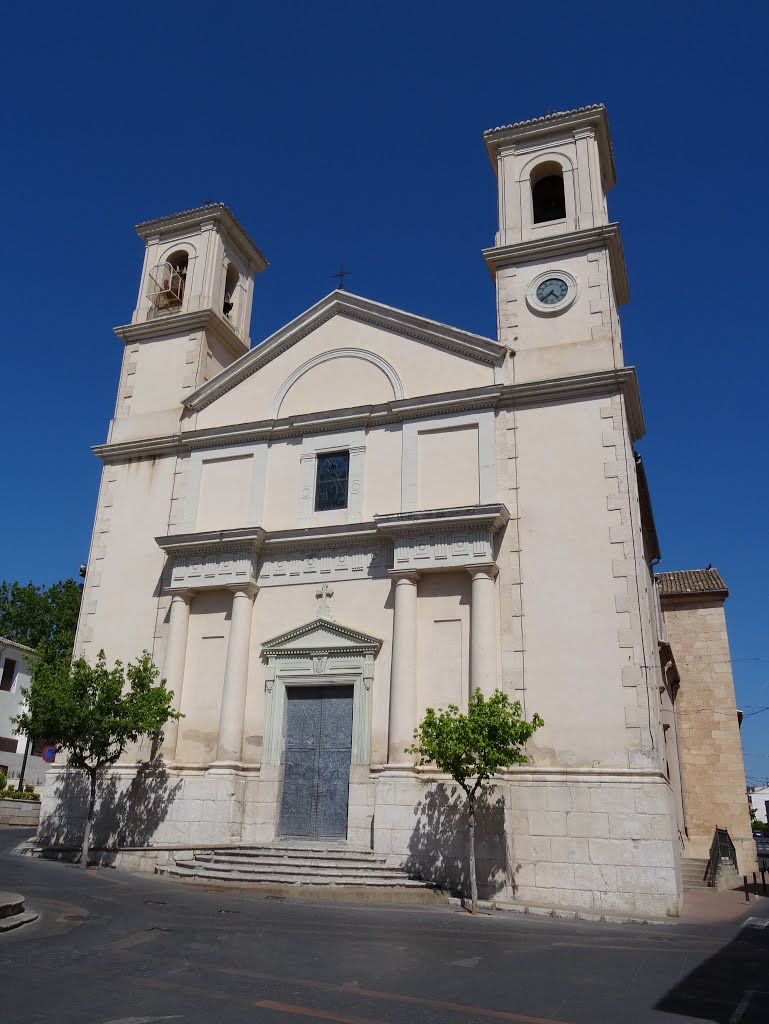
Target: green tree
[
  {"x": 93, "y": 712},
  {"x": 472, "y": 747},
  {"x": 41, "y": 617}
]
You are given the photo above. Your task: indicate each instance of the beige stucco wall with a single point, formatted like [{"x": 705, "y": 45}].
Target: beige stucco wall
[
  {"x": 712, "y": 768},
  {"x": 568, "y": 587}
]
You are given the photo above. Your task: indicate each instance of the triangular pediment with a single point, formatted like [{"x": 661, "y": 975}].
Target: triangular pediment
[
  {"x": 345, "y": 304},
  {"x": 322, "y": 635}
]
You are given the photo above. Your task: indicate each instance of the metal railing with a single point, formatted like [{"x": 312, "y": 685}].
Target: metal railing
[{"x": 722, "y": 848}]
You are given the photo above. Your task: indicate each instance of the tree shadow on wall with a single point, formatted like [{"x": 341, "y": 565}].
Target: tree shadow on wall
[
  {"x": 439, "y": 844},
  {"x": 125, "y": 816}
]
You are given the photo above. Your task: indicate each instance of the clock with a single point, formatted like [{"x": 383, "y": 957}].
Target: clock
[{"x": 551, "y": 292}]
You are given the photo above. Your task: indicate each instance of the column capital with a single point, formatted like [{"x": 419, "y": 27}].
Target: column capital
[
  {"x": 404, "y": 575},
  {"x": 489, "y": 569},
  {"x": 184, "y": 594},
  {"x": 250, "y": 590}
]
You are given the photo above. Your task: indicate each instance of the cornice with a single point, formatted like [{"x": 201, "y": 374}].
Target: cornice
[
  {"x": 593, "y": 117},
  {"x": 184, "y": 323},
  {"x": 354, "y": 307},
  {"x": 314, "y": 535},
  {"x": 217, "y": 213},
  {"x": 606, "y": 236},
  {"x": 491, "y": 397},
  {"x": 248, "y": 537},
  {"x": 396, "y": 524}
]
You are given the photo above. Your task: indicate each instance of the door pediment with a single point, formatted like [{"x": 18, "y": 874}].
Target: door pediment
[{"x": 321, "y": 636}]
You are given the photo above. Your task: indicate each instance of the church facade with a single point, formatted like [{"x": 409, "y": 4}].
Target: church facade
[{"x": 370, "y": 513}]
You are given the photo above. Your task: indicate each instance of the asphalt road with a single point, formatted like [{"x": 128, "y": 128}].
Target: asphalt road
[{"x": 114, "y": 947}]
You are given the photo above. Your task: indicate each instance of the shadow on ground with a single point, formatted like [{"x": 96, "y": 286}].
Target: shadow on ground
[
  {"x": 730, "y": 987},
  {"x": 127, "y": 816},
  {"x": 439, "y": 850}
]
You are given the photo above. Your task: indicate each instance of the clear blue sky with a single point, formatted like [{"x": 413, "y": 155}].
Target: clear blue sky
[{"x": 352, "y": 131}]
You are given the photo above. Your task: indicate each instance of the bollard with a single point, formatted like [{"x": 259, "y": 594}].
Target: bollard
[{"x": 745, "y": 883}]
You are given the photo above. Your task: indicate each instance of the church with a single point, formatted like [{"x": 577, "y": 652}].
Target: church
[{"x": 370, "y": 513}]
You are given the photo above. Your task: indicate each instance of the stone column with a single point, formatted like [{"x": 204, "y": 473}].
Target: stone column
[
  {"x": 403, "y": 672},
  {"x": 483, "y": 628},
  {"x": 228, "y": 747},
  {"x": 173, "y": 664}
]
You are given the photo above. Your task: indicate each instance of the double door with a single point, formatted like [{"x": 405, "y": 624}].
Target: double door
[{"x": 316, "y": 777}]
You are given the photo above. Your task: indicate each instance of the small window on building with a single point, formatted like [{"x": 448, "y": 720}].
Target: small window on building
[
  {"x": 167, "y": 281},
  {"x": 230, "y": 284},
  {"x": 332, "y": 477},
  {"x": 9, "y": 670},
  {"x": 548, "y": 200},
  {"x": 8, "y": 744}
]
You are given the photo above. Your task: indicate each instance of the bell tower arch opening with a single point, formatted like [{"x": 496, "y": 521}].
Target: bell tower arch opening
[{"x": 548, "y": 197}]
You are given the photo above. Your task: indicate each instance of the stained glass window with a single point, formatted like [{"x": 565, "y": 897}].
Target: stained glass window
[{"x": 333, "y": 470}]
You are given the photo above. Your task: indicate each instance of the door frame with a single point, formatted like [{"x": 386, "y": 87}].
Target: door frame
[
  {"x": 321, "y": 653},
  {"x": 313, "y": 684}
]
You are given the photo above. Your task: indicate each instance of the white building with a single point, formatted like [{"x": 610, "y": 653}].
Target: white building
[
  {"x": 14, "y": 676},
  {"x": 759, "y": 801},
  {"x": 370, "y": 513}
]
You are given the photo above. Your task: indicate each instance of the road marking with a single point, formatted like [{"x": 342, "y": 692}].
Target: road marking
[
  {"x": 742, "y": 1006},
  {"x": 756, "y": 922},
  {"x": 142, "y": 1020},
  {"x": 471, "y": 961},
  {"x": 262, "y": 1004},
  {"x": 351, "y": 989}
]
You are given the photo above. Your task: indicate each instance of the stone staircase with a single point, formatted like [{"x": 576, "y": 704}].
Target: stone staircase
[
  {"x": 693, "y": 870},
  {"x": 316, "y": 867}
]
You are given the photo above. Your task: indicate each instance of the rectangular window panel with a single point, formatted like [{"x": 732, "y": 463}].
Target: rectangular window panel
[
  {"x": 8, "y": 744},
  {"x": 8, "y": 669},
  {"x": 333, "y": 470}
]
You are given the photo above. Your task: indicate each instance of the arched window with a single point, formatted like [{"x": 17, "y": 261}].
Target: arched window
[
  {"x": 548, "y": 201},
  {"x": 167, "y": 281},
  {"x": 230, "y": 284}
]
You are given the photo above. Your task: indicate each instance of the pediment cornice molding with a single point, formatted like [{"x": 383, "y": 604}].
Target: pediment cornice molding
[
  {"x": 354, "y": 307},
  {"x": 312, "y": 639}
]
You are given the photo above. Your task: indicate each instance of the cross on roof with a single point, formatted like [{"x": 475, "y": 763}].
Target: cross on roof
[
  {"x": 322, "y": 593},
  {"x": 341, "y": 274}
]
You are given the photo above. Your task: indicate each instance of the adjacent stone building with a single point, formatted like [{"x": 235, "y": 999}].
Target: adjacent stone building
[
  {"x": 707, "y": 719},
  {"x": 369, "y": 513}
]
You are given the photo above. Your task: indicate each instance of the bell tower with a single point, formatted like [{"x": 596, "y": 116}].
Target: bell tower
[
  {"x": 192, "y": 316},
  {"x": 557, "y": 259}
]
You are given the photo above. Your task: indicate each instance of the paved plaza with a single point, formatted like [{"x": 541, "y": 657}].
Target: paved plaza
[{"x": 128, "y": 949}]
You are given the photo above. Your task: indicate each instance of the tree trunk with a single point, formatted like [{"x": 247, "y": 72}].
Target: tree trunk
[
  {"x": 473, "y": 879},
  {"x": 89, "y": 820}
]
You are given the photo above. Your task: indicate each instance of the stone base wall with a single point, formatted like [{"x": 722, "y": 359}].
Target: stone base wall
[
  {"x": 603, "y": 842},
  {"x": 19, "y": 812},
  {"x": 594, "y": 841}
]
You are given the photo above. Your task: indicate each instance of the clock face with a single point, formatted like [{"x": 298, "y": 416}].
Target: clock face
[{"x": 551, "y": 291}]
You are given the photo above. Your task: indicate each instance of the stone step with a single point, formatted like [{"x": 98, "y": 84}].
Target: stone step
[
  {"x": 294, "y": 870},
  {"x": 12, "y": 912},
  {"x": 296, "y": 850},
  {"x": 209, "y": 873},
  {"x": 693, "y": 870},
  {"x": 277, "y": 860}
]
